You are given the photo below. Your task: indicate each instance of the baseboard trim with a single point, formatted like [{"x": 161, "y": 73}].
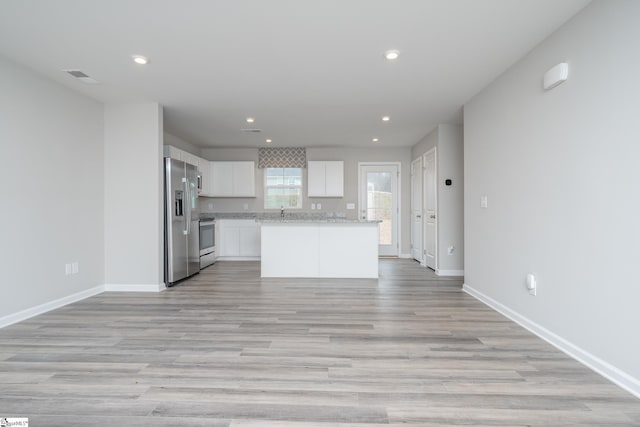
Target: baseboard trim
[
  {"x": 407, "y": 256},
  {"x": 48, "y": 306},
  {"x": 238, "y": 258},
  {"x": 449, "y": 272},
  {"x": 610, "y": 372},
  {"x": 112, "y": 287}
]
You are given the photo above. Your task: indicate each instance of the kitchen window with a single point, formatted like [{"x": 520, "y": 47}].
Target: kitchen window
[{"x": 283, "y": 188}]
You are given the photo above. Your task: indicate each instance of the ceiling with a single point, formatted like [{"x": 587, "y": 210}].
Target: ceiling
[{"x": 311, "y": 72}]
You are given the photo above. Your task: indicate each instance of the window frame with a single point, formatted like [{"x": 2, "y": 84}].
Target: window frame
[{"x": 266, "y": 187}]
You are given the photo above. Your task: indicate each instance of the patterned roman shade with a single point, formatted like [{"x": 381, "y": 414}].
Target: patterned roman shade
[{"x": 282, "y": 157}]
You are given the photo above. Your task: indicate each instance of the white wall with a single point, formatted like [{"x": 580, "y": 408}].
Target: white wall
[
  {"x": 133, "y": 195},
  {"x": 448, "y": 139},
  {"x": 351, "y": 157},
  {"x": 52, "y": 201},
  {"x": 560, "y": 169},
  {"x": 450, "y": 198}
]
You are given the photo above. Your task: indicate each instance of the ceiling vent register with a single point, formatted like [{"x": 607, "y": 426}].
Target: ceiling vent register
[{"x": 82, "y": 76}]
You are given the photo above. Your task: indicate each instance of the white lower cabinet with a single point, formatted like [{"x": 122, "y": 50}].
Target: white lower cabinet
[{"x": 238, "y": 238}]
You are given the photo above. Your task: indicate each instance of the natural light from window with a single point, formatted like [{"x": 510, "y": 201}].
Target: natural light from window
[{"x": 283, "y": 188}]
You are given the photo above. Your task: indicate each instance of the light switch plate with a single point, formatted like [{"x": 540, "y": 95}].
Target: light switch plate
[
  {"x": 351, "y": 206},
  {"x": 484, "y": 202}
]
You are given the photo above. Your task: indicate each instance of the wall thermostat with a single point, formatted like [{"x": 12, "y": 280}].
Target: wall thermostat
[{"x": 447, "y": 182}]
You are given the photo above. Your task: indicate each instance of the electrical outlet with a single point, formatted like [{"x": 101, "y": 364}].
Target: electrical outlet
[
  {"x": 313, "y": 206},
  {"x": 245, "y": 206},
  {"x": 318, "y": 206},
  {"x": 210, "y": 206},
  {"x": 484, "y": 202},
  {"x": 68, "y": 269},
  {"x": 451, "y": 249},
  {"x": 75, "y": 267},
  {"x": 351, "y": 206}
]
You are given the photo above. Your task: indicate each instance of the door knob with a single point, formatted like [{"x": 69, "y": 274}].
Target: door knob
[
  {"x": 418, "y": 216},
  {"x": 432, "y": 217}
]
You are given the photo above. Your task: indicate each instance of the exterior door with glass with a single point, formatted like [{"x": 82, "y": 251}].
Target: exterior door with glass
[{"x": 379, "y": 201}]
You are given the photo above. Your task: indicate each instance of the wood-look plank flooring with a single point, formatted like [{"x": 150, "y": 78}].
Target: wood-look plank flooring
[{"x": 227, "y": 348}]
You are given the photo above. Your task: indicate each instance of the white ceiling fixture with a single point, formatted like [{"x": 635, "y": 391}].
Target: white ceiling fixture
[
  {"x": 391, "y": 55},
  {"x": 268, "y": 141},
  {"x": 250, "y": 120},
  {"x": 375, "y": 140},
  {"x": 386, "y": 118},
  {"x": 140, "y": 60},
  {"x": 306, "y": 99}
]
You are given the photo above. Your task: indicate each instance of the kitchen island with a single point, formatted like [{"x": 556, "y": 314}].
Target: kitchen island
[{"x": 319, "y": 248}]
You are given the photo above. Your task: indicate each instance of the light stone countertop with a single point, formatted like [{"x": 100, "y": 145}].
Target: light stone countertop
[
  {"x": 317, "y": 221},
  {"x": 290, "y": 216}
]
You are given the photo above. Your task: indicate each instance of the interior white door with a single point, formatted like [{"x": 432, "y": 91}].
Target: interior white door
[
  {"x": 379, "y": 201},
  {"x": 430, "y": 192},
  {"x": 416, "y": 211}
]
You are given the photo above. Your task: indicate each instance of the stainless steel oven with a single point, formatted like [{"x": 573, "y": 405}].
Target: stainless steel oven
[{"x": 207, "y": 242}]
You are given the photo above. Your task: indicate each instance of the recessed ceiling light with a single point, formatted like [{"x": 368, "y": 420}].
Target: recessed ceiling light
[
  {"x": 139, "y": 59},
  {"x": 374, "y": 140},
  {"x": 391, "y": 54},
  {"x": 250, "y": 120},
  {"x": 268, "y": 140},
  {"x": 385, "y": 118}
]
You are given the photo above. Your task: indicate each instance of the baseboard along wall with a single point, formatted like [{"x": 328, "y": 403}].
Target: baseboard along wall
[
  {"x": 610, "y": 372},
  {"x": 25, "y": 314}
]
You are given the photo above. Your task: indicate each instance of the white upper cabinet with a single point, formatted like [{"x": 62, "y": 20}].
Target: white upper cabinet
[
  {"x": 173, "y": 152},
  {"x": 191, "y": 159},
  {"x": 325, "y": 178},
  {"x": 244, "y": 179},
  {"x": 334, "y": 179},
  {"x": 221, "y": 179},
  {"x": 232, "y": 179},
  {"x": 205, "y": 172}
]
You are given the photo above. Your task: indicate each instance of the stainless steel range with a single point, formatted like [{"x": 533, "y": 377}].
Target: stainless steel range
[{"x": 207, "y": 242}]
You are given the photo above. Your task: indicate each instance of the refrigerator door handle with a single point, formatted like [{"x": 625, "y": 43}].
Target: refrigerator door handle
[{"x": 187, "y": 196}]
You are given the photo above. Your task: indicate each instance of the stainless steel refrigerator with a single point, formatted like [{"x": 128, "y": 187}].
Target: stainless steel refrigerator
[{"x": 181, "y": 216}]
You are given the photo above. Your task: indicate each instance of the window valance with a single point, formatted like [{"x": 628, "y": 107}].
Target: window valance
[{"x": 282, "y": 157}]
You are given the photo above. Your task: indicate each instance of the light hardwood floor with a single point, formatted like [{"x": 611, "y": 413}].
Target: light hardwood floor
[{"x": 227, "y": 348}]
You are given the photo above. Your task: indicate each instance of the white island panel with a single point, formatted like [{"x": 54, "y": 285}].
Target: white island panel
[
  {"x": 348, "y": 251},
  {"x": 321, "y": 249},
  {"x": 289, "y": 251}
]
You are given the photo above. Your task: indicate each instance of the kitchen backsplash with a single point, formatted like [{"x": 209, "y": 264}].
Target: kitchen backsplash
[{"x": 332, "y": 208}]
